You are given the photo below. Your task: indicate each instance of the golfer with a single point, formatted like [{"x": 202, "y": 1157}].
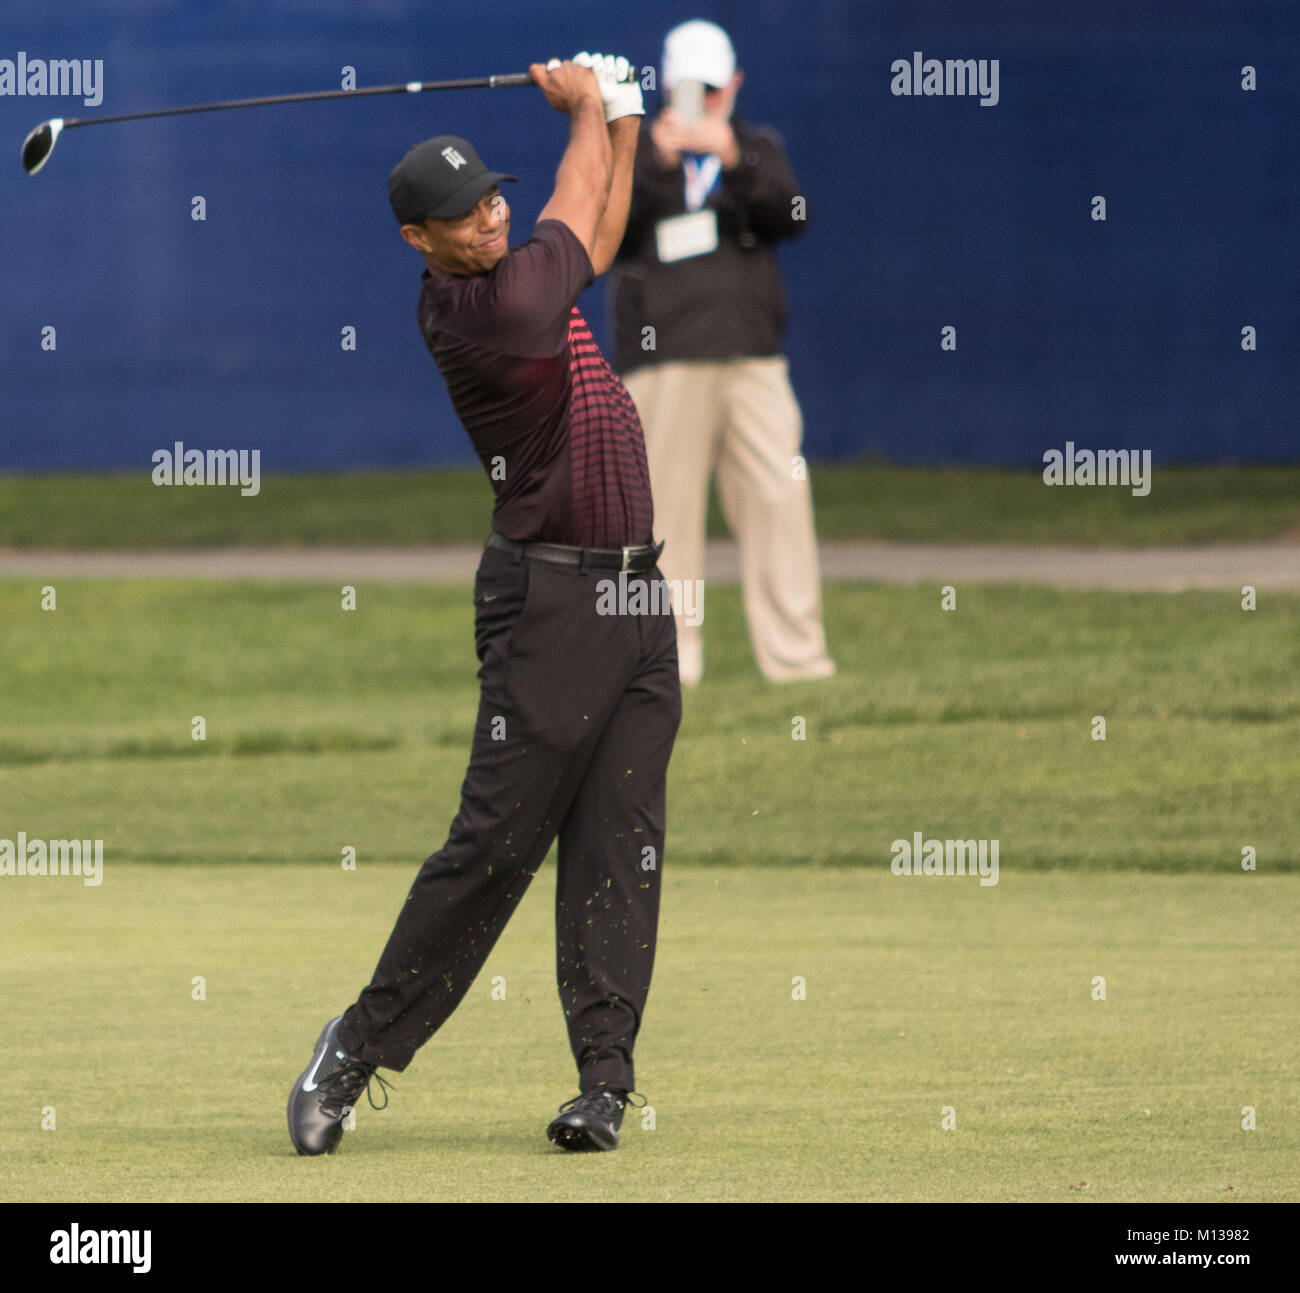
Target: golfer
[{"x": 578, "y": 707}]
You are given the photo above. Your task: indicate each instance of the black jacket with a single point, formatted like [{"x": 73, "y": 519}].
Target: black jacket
[{"x": 726, "y": 303}]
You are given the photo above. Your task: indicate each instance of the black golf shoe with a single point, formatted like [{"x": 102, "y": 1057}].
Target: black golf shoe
[
  {"x": 591, "y": 1121},
  {"x": 325, "y": 1093}
]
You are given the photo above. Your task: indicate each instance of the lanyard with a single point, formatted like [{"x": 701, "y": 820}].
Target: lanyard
[{"x": 701, "y": 175}]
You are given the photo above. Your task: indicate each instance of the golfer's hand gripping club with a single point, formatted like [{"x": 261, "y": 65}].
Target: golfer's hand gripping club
[
  {"x": 613, "y": 80},
  {"x": 620, "y": 95}
]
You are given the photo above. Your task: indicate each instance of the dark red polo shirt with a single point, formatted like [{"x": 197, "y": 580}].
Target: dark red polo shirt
[{"x": 552, "y": 424}]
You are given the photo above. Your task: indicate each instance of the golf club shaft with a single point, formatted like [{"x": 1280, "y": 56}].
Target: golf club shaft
[{"x": 407, "y": 87}]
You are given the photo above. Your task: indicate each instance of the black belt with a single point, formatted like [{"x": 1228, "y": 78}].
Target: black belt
[{"x": 634, "y": 560}]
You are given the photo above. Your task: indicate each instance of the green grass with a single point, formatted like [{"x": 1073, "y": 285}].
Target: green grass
[
  {"x": 920, "y": 995},
  {"x": 973, "y": 722},
  {"x": 329, "y": 728},
  {"x": 869, "y": 500}
]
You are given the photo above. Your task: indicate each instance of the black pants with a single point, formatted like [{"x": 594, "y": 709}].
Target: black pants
[{"x": 578, "y": 712}]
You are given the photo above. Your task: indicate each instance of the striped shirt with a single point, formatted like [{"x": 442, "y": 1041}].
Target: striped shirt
[{"x": 554, "y": 427}]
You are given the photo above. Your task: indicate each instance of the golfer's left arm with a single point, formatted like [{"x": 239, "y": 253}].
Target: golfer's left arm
[{"x": 609, "y": 231}]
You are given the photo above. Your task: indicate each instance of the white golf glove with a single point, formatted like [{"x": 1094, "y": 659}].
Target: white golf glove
[{"x": 619, "y": 91}]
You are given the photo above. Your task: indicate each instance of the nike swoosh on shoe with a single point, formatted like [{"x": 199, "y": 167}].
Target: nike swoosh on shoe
[{"x": 310, "y": 1084}]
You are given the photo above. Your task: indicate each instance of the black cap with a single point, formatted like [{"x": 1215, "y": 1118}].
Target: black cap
[{"x": 439, "y": 179}]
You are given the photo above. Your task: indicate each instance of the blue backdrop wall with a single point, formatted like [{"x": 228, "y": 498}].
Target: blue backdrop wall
[{"x": 925, "y": 211}]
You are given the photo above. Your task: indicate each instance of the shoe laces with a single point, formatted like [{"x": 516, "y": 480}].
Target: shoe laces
[
  {"x": 341, "y": 1086},
  {"x": 602, "y": 1095}
]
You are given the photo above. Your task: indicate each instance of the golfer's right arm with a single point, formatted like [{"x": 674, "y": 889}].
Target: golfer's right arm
[{"x": 582, "y": 182}]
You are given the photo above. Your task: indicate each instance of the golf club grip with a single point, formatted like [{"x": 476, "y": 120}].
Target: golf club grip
[
  {"x": 496, "y": 82},
  {"x": 503, "y": 81}
]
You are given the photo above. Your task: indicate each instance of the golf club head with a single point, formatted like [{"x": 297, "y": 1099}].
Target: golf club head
[{"x": 38, "y": 146}]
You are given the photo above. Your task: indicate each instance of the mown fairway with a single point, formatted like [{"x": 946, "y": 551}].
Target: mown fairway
[
  {"x": 329, "y": 728},
  {"x": 921, "y": 994},
  {"x": 1233, "y": 503}
]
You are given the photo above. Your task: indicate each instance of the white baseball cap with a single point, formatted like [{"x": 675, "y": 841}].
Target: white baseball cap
[{"x": 698, "y": 51}]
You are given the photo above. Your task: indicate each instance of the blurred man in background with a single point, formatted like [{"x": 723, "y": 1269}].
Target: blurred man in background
[{"x": 699, "y": 314}]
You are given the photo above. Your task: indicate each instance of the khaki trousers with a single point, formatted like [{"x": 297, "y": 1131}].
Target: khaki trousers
[{"x": 740, "y": 419}]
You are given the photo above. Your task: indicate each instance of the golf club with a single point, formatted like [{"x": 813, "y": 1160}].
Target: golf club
[{"x": 40, "y": 143}]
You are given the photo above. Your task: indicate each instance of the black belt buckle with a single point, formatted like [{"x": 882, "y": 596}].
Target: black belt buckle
[
  {"x": 624, "y": 555},
  {"x": 653, "y": 551}
]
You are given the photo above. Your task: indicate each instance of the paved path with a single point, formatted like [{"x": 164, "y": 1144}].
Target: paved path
[{"x": 1273, "y": 566}]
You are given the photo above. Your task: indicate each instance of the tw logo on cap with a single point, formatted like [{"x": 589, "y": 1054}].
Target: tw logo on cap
[{"x": 453, "y": 158}]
